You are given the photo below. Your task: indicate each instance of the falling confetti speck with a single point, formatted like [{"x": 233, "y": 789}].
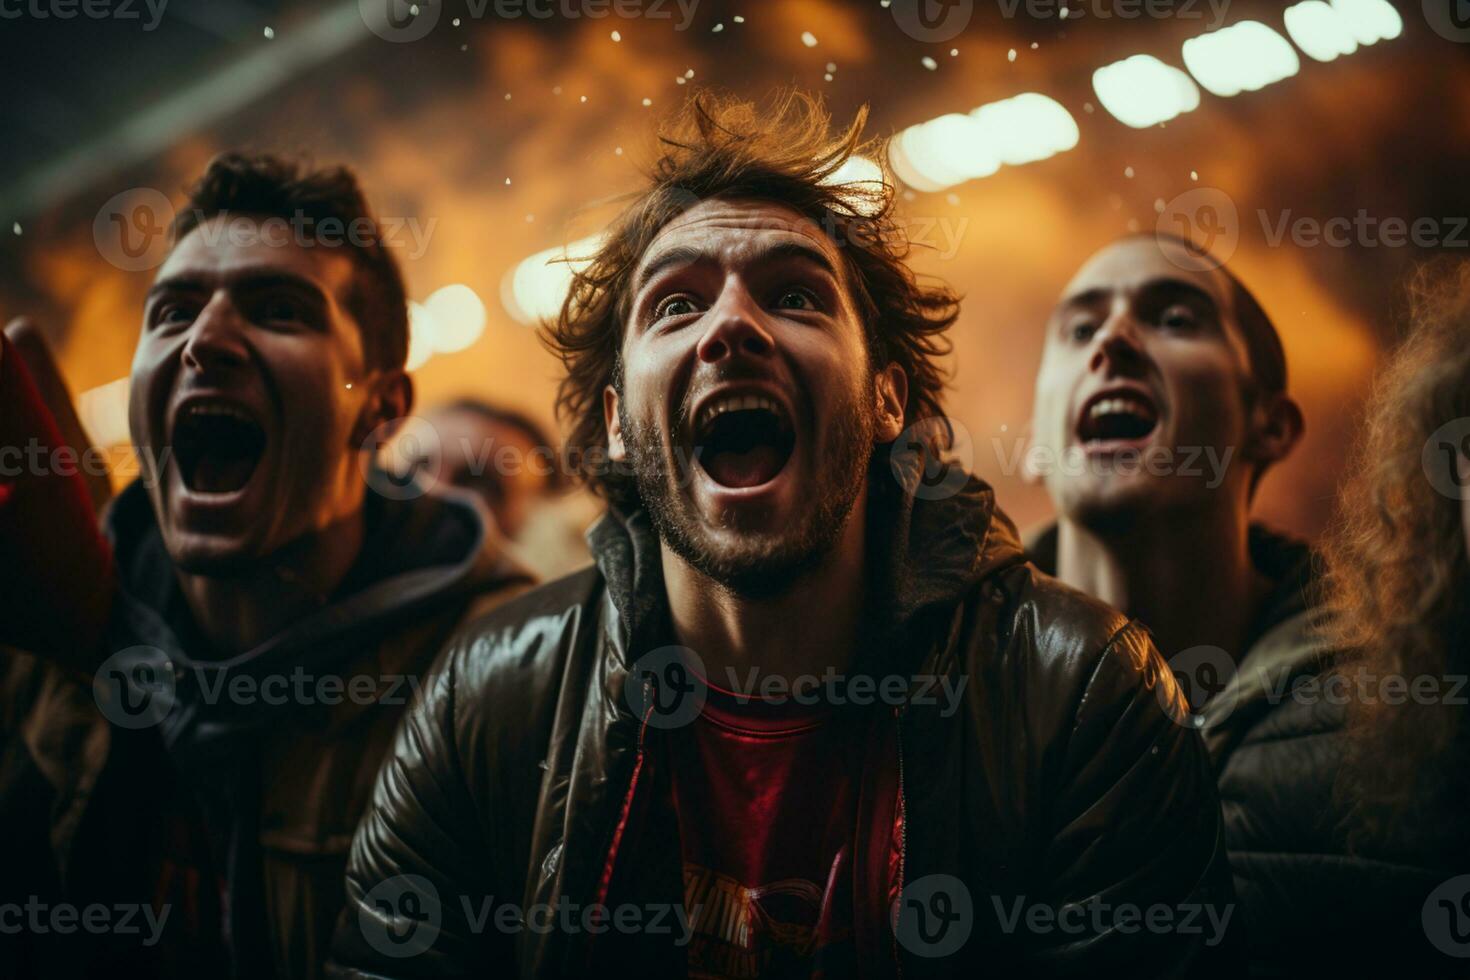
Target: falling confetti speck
[
  {"x": 648, "y": 102},
  {"x": 556, "y": 90},
  {"x": 530, "y": 218},
  {"x": 1034, "y": 45},
  {"x": 413, "y": 9},
  {"x": 679, "y": 80},
  {"x": 832, "y": 66},
  {"x": 1011, "y": 55},
  {"x": 618, "y": 151},
  {"x": 584, "y": 98},
  {"x": 1194, "y": 175},
  {"x": 1128, "y": 172},
  {"x": 689, "y": 73},
  {"x": 827, "y": 77},
  {"x": 1087, "y": 107},
  {"x": 349, "y": 386},
  {"x": 739, "y": 19},
  {"x": 1158, "y": 205},
  {"x": 15, "y": 227},
  {"x": 270, "y": 33},
  {"x": 507, "y": 182},
  {"x": 717, "y": 28},
  {"x": 809, "y": 39},
  {"x": 455, "y": 22},
  {"x": 617, "y": 35},
  {"x": 954, "y": 52},
  {"x": 507, "y": 96},
  {"x": 928, "y": 62},
  {"x": 464, "y": 47},
  {"x": 1065, "y": 13},
  {"x": 952, "y": 199}
]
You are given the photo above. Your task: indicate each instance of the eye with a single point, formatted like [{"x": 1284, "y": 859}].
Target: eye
[
  {"x": 679, "y": 304},
  {"x": 174, "y": 313},
  {"x": 282, "y": 309},
  {"x": 797, "y": 298},
  {"x": 1178, "y": 317},
  {"x": 1081, "y": 331}
]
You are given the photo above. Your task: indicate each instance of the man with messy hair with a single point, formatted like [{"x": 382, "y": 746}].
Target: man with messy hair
[{"x": 811, "y": 712}]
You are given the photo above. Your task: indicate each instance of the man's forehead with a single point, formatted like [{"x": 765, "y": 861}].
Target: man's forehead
[
  {"x": 214, "y": 248},
  {"x": 1131, "y": 264},
  {"x": 736, "y": 229}
]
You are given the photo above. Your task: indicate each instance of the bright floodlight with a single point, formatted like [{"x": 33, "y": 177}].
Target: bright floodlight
[
  {"x": 536, "y": 288},
  {"x": 1243, "y": 57},
  {"x": 1319, "y": 30},
  {"x": 1369, "y": 21},
  {"x": 458, "y": 318},
  {"x": 1026, "y": 128},
  {"x": 1142, "y": 91}
]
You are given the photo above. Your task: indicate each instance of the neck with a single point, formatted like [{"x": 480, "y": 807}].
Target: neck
[
  {"x": 239, "y": 612},
  {"x": 1188, "y": 577},
  {"x": 804, "y": 631}
]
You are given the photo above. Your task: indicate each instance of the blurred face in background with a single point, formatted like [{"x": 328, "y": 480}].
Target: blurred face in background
[
  {"x": 250, "y": 395},
  {"x": 748, "y": 406},
  {"x": 1142, "y": 396},
  {"x": 506, "y": 465}
]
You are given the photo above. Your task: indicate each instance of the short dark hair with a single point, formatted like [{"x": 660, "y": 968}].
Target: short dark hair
[
  {"x": 786, "y": 153},
  {"x": 498, "y": 414},
  {"x": 271, "y": 186}
]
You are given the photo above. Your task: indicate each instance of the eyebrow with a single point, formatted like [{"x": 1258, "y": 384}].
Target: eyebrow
[
  {"x": 689, "y": 255},
  {"x": 246, "y": 280},
  {"x": 1098, "y": 294}
]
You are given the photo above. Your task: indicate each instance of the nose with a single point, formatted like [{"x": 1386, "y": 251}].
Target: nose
[
  {"x": 216, "y": 338},
  {"x": 1117, "y": 347},
  {"x": 736, "y": 328}
]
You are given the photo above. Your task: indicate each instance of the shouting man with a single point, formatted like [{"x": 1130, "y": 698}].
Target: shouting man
[
  {"x": 811, "y": 713},
  {"x": 270, "y": 618}
]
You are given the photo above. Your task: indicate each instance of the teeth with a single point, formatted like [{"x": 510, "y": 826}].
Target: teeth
[
  {"x": 218, "y": 409},
  {"x": 735, "y": 403},
  {"x": 1120, "y": 406}
]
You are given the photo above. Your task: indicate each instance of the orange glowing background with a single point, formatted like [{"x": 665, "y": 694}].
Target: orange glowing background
[{"x": 503, "y": 133}]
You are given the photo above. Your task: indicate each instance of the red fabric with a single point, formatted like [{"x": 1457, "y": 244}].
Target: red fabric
[
  {"x": 57, "y": 566},
  {"x": 766, "y": 796}
]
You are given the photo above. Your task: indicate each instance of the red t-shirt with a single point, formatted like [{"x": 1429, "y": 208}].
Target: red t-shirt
[{"x": 767, "y": 797}]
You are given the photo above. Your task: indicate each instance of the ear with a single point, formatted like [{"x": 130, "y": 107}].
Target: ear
[
  {"x": 616, "y": 451},
  {"x": 1030, "y": 474},
  {"x": 891, "y": 385},
  {"x": 389, "y": 399},
  {"x": 1277, "y": 427}
]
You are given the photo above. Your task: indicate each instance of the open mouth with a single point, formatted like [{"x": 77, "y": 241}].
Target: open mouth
[
  {"x": 217, "y": 446},
  {"x": 1117, "y": 417},
  {"x": 743, "y": 440}
]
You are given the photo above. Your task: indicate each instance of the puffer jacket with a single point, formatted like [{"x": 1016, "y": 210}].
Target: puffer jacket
[
  {"x": 279, "y": 779},
  {"x": 1311, "y": 901},
  {"x": 520, "y": 778}
]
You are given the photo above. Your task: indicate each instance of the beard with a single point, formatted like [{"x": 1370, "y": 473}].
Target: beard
[{"x": 760, "y": 563}]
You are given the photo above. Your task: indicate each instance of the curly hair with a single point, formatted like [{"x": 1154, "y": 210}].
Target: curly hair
[
  {"x": 1397, "y": 579},
  {"x": 265, "y": 185},
  {"x": 722, "y": 147}
]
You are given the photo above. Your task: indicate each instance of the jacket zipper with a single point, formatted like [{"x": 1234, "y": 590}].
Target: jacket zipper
[{"x": 903, "y": 833}]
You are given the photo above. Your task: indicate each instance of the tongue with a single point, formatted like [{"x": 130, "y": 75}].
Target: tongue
[
  {"x": 222, "y": 472},
  {"x": 751, "y": 468}
]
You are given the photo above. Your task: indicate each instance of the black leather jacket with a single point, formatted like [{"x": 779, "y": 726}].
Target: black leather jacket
[{"x": 1060, "y": 780}]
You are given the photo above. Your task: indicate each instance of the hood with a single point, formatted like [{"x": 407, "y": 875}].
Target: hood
[
  {"x": 421, "y": 558},
  {"x": 926, "y": 549}
]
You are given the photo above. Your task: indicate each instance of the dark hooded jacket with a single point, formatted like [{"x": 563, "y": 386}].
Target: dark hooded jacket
[
  {"x": 272, "y": 752},
  {"x": 1312, "y": 899},
  {"x": 525, "y": 779}
]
